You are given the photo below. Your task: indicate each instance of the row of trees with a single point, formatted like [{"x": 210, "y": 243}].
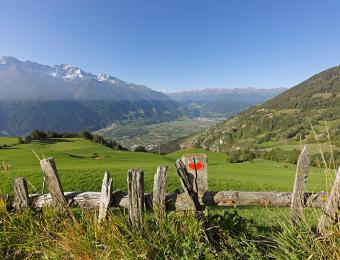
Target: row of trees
[
  {"x": 100, "y": 140},
  {"x": 40, "y": 135}
]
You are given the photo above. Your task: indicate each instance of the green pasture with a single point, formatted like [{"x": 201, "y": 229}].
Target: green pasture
[{"x": 82, "y": 163}]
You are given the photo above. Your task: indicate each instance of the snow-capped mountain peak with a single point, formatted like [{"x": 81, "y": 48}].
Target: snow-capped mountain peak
[
  {"x": 106, "y": 77},
  {"x": 31, "y": 80},
  {"x": 67, "y": 71},
  {"x": 103, "y": 76},
  {"x": 7, "y": 60}
]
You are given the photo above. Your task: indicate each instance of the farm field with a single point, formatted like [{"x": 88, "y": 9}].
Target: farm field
[{"x": 137, "y": 133}]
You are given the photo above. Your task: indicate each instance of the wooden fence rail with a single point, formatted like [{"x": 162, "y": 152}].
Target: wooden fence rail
[{"x": 180, "y": 201}]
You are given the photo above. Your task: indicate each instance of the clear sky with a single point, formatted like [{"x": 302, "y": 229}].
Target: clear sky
[{"x": 178, "y": 44}]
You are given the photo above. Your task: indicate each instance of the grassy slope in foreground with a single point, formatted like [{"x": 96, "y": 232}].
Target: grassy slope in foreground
[{"x": 80, "y": 172}]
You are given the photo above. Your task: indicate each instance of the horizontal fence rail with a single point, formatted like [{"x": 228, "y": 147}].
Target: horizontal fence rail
[{"x": 174, "y": 201}]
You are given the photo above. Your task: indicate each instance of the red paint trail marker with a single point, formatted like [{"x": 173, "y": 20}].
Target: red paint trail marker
[{"x": 199, "y": 166}]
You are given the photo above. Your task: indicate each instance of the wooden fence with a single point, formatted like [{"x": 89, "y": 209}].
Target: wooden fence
[{"x": 193, "y": 174}]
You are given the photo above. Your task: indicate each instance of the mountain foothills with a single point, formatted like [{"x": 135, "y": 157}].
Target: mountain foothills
[
  {"x": 65, "y": 98},
  {"x": 306, "y": 113},
  {"x": 223, "y": 102}
]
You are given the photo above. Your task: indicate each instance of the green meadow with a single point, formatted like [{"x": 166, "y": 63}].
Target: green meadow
[
  {"x": 82, "y": 163},
  {"x": 81, "y": 166}
]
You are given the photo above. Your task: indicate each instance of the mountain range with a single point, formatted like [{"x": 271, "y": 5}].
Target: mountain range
[
  {"x": 65, "y": 98},
  {"x": 306, "y": 113},
  {"x": 223, "y": 102}
]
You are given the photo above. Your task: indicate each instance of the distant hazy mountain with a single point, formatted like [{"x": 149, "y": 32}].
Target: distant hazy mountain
[
  {"x": 223, "y": 102},
  {"x": 65, "y": 98}
]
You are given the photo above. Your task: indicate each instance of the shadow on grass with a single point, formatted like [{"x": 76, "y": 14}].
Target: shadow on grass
[
  {"x": 76, "y": 156},
  {"x": 58, "y": 140}
]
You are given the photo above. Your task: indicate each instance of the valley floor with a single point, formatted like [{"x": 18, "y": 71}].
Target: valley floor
[{"x": 130, "y": 134}]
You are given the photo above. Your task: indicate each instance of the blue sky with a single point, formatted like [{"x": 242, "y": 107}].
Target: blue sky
[{"x": 170, "y": 45}]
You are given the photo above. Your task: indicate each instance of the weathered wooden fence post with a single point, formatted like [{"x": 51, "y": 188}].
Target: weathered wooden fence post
[
  {"x": 331, "y": 214},
  {"x": 50, "y": 171},
  {"x": 298, "y": 195},
  {"x": 197, "y": 168},
  {"x": 21, "y": 193},
  {"x": 188, "y": 184},
  {"x": 159, "y": 191},
  {"x": 105, "y": 197},
  {"x": 135, "y": 181}
]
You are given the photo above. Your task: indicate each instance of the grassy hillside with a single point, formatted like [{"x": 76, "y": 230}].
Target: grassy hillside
[
  {"x": 82, "y": 163},
  {"x": 306, "y": 113}
]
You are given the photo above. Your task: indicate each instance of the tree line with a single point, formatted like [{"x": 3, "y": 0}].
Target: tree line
[{"x": 40, "y": 135}]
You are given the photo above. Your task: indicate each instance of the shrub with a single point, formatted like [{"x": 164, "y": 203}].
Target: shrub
[
  {"x": 266, "y": 138},
  {"x": 140, "y": 148},
  {"x": 38, "y": 135},
  {"x": 280, "y": 155},
  {"x": 98, "y": 139},
  {"x": 86, "y": 135},
  {"x": 242, "y": 155},
  {"x": 331, "y": 159},
  {"x": 20, "y": 140},
  {"x": 28, "y": 139}
]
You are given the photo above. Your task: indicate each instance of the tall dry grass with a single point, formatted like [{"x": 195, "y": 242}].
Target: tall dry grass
[
  {"x": 302, "y": 241},
  {"x": 47, "y": 234}
]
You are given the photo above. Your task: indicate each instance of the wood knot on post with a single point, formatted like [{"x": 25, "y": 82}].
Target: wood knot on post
[
  {"x": 227, "y": 203},
  {"x": 265, "y": 202}
]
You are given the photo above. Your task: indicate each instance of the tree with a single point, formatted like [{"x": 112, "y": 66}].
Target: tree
[
  {"x": 98, "y": 139},
  {"x": 20, "y": 140},
  {"x": 86, "y": 135},
  {"x": 28, "y": 139},
  {"x": 241, "y": 155},
  {"x": 140, "y": 148},
  {"x": 38, "y": 135}
]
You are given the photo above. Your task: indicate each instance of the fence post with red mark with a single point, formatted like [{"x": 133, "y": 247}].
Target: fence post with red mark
[{"x": 197, "y": 167}]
